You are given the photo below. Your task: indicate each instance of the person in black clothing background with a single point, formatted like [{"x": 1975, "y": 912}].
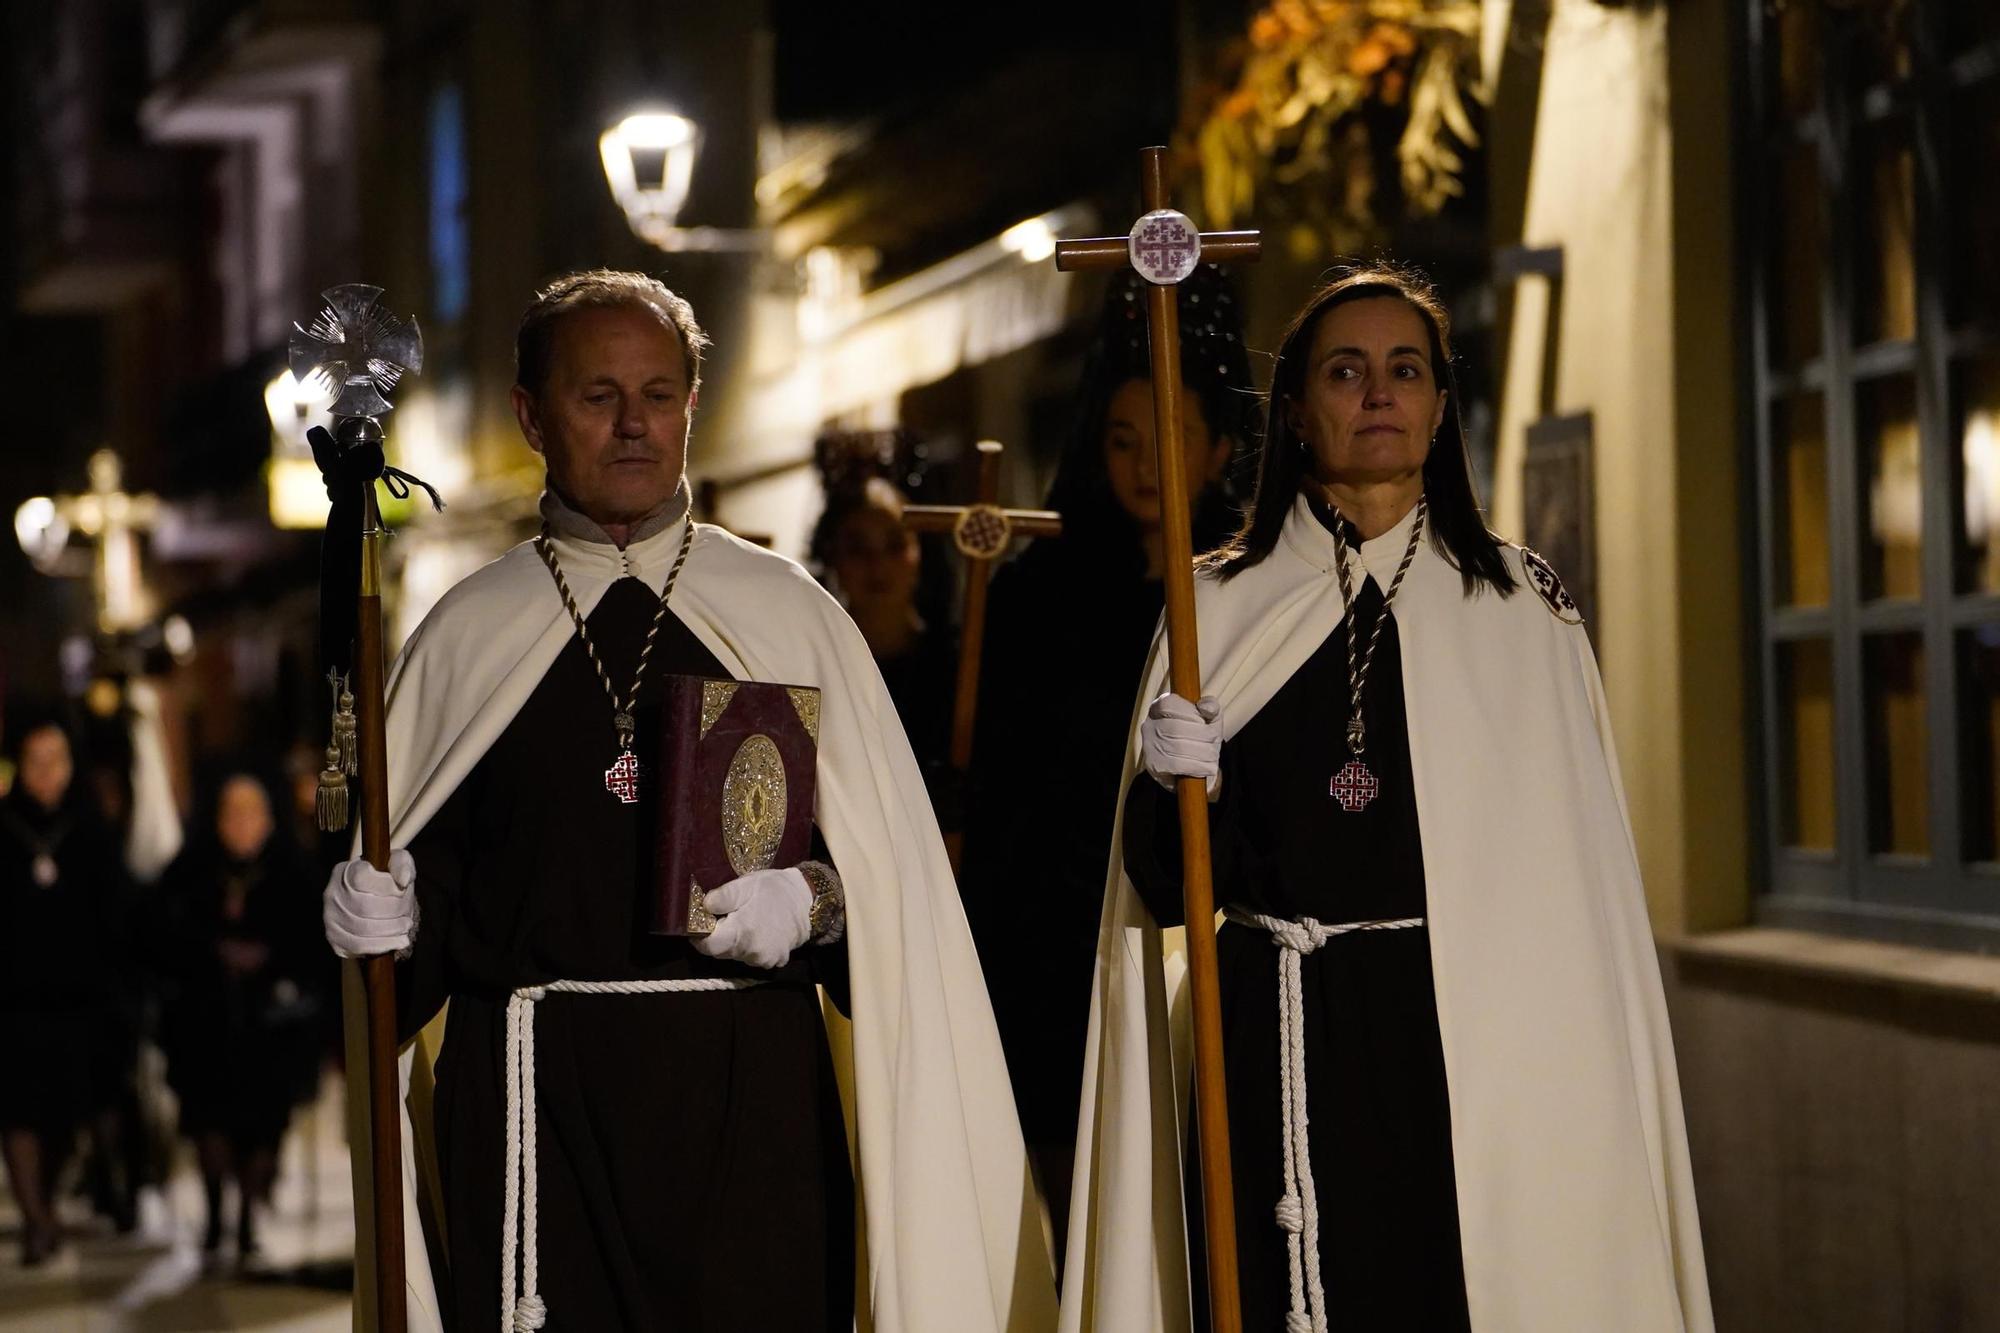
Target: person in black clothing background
[
  {"x": 64, "y": 944},
  {"x": 874, "y": 565},
  {"x": 1068, "y": 626},
  {"x": 247, "y": 986}
]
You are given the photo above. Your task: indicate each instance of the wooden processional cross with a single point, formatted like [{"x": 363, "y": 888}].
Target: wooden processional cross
[
  {"x": 1165, "y": 247},
  {"x": 982, "y": 532},
  {"x": 113, "y": 520}
]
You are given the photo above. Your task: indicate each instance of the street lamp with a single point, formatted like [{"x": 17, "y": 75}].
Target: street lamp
[
  {"x": 43, "y": 531},
  {"x": 297, "y": 491},
  {"x": 649, "y": 165}
]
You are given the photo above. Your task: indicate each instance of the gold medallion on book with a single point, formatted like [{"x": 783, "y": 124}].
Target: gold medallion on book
[{"x": 739, "y": 761}]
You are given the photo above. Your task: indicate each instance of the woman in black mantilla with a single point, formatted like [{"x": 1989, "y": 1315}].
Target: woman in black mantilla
[
  {"x": 248, "y": 982},
  {"x": 64, "y": 946},
  {"x": 1068, "y": 625}
]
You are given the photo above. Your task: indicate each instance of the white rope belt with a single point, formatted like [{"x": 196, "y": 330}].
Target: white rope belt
[
  {"x": 529, "y": 1312},
  {"x": 1298, "y": 1209}
]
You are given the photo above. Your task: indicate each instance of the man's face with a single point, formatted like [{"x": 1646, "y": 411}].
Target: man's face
[{"x": 612, "y": 420}]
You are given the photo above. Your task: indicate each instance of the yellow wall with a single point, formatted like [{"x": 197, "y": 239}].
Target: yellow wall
[{"x": 1646, "y": 347}]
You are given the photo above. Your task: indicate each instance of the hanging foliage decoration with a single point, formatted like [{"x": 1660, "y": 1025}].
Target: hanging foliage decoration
[{"x": 1344, "y": 115}]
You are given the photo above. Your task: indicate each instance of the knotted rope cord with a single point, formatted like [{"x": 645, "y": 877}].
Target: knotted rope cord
[
  {"x": 518, "y": 1223},
  {"x": 1298, "y": 1209}
]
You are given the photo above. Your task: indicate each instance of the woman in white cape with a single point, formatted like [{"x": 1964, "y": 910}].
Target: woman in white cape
[{"x": 1451, "y": 1086}]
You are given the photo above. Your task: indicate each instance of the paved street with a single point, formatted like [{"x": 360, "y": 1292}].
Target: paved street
[{"x": 153, "y": 1282}]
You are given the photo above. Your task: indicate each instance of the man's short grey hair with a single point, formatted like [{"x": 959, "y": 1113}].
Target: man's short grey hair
[{"x": 601, "y": 289}]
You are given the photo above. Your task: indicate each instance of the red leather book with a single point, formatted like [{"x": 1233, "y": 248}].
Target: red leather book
[{"x": 736, "y": 794}]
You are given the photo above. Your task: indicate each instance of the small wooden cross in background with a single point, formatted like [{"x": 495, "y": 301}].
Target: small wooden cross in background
[{"x": 982, "y": 531}]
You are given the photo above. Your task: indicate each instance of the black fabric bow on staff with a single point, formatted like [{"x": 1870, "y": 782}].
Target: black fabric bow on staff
[{"x": 350, "y": 466}]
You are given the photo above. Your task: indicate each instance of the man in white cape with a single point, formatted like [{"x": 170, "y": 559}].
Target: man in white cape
[
  {"x": 669, "y": 1161},
  {"x": 1573, "y": 1197}
]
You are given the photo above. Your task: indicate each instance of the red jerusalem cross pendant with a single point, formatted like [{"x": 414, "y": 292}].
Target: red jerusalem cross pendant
[
  {"x": 622, "y": 778},
  {"x": 1354, "y": 786}
]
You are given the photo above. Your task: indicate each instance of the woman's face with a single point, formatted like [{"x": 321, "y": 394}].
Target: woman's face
[
  {"x": 1371, "y": 403},
  {"x": 1131, "y": 461},
  {"x": 243, "y": 818},
  {"x": 875, "y": 560},
  {"x": 45, "y": 767}
]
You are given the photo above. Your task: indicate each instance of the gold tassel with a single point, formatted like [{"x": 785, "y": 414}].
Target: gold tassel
[
  {"x": 344, "y": 732},
  {"x": 330, "y": 803}
]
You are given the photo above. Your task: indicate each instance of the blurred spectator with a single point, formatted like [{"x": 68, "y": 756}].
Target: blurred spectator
[
  {"x": 874, "y": 563},
  {"x": 248, "y": 982},
  {"x": 66, "y": 1039},
  {"x": 1068, "y": 625}
]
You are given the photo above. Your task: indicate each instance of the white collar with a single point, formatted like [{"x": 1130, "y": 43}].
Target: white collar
[
  {"x": 1381, "y": 556},
  {"x": 585, "y": 550}
]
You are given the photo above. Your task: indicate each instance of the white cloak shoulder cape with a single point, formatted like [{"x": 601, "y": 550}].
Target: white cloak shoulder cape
[
  {"x": 953, "y": 1229},
  {"x": 1576, "y": 1207}
]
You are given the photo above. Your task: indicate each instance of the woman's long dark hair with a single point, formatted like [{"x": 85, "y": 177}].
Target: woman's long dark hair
[{"x": 1458, "y": 528}]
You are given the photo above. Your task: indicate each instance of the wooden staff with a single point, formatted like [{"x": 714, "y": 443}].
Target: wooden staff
[
  {"x": 982, "y": 531},
  {"x": 385, "y": 1123},
  {"x": 1165, "y": 247},
  {"x": 351, "y": 583}
]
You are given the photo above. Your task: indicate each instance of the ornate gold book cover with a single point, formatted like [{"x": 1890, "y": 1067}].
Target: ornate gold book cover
[{"x": 740, "y": 759}]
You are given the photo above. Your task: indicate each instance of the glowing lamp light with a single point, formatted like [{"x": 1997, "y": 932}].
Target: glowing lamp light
[
  {"x": 178, "y": 636},
  {"x": 1982, "y": 476},
  {"x": 298, "y": 493},
  {"x": 294, "y": 409},
  {"x": 103, "y": 698},
  {"x": 1033, "y": 240},
  {"x": 649, "y": 164},
  {"x": 42, "y": 531}
]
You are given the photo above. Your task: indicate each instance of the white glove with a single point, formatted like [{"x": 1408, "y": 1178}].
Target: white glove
[
  {"x": 764, "y": 915},
  {"x": 1179, "y": 739},
  {"x": 368, "y": 911}
]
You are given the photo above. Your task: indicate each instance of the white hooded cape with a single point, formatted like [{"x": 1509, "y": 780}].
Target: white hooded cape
[
  {"x": 953, "y": 1230},
  {"x": 1576, "y": 1207}
]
